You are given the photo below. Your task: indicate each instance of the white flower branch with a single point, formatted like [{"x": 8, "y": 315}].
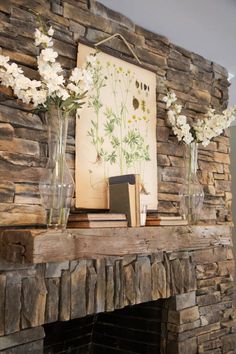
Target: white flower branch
[
  {"x": 204, "y": 130},
  {"x": 53, "y": 87}
]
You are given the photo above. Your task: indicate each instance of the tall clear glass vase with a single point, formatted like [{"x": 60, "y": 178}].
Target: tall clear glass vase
[
  {"x": 57, "y": 185},
  {"x": 191, "y": 193}
]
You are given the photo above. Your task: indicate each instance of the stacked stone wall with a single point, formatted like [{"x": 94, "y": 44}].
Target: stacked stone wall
[{"x": 197, "y": 82}]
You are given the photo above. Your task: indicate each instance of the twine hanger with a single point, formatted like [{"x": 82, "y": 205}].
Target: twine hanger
[{"x": 124, "y": 40}]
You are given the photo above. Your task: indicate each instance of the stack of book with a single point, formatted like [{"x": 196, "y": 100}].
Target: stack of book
[
  {"x": 154, "y": 220},
  {"x": 124, "y": 197},
  {"x": 96, "y": 220}
]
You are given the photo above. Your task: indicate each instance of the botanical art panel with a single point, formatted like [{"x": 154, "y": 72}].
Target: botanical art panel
[{"x": 116, "y": 130}]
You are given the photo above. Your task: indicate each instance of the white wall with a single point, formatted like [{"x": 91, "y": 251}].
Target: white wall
[{"x": 205, "y": 27}]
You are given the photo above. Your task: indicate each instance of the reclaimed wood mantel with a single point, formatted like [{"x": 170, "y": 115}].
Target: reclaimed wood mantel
[{"x": 41, "y": 246}]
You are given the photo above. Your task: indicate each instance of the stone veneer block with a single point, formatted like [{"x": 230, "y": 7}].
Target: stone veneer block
[
  {"x": 187, "y": 315},
  {"x": 52, "y": 302},
  {"x": 65, "y": 294},
  {"x": 23, "y": 337},
  {"x": 182, "y": 301},
  {"x": 78, "y": 290},
  {"x": 12, "y": 306},
  {"x": 33, "y": 302},
  {"x": 53, "y": 270},
  {"x": 188, "y": 346},
  {"x": 2, "y": 302},
  {"x": 229, "y": 343}
]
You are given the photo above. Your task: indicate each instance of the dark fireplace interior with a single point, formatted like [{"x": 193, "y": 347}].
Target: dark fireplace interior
[{"x": 133, "y": 329}]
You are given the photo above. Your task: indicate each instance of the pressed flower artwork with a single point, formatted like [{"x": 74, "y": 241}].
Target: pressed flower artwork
[{"x": 116, "y": 131}]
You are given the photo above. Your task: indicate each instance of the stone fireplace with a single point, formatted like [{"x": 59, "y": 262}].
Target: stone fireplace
[
  {"x": 190, "y": 267},
  {"x": 179, "y": 279}
]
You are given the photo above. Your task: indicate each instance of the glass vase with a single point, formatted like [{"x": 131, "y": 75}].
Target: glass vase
[
  {"x": 56, "y": 186},
  {"x": 191, "y": 193}
]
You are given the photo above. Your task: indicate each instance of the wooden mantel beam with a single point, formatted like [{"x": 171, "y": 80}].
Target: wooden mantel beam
[{"x": 41, "y": 246}]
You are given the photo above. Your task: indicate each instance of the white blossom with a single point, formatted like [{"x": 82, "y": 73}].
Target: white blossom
[
  {"x": 3, "y": 60},
  {"x": 42, "y": 39},
  {"x": 40, "y": 98},
  {"x": 88, "y": 79},
  {"x": 204, "y": 130},
  {"x": 51, "y": 31},
  {"x": 49, "y": 55},
  {"x": 170, "y": 98},
  {"x": 91, "y": 59},
  {"x": 178, "y": 108},
  {"x": 76, "y": 75},
  {"x": 181, "y": 119},
  {"x": 74, "y": 88},
  {"x": 52, "y": 87},
  {"x": 63, "y": 93},
  {"x": 171, "y": 117},
  {"x": 13, "y": 69}
]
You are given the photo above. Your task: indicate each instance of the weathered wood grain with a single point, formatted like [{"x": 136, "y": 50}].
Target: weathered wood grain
[
  {"x": 151, "y": 239},
  {"x": 52, "y": 246}
]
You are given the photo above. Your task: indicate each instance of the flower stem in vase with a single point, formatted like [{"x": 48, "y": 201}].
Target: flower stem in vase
[
  {"x": 57, "y": 185},
  {"x": 191, "y": 193}
]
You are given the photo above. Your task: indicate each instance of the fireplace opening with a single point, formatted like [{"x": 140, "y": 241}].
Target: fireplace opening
[{"x": 133, "y": 329}]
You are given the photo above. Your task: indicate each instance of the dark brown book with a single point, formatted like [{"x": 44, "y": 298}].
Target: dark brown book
[
  {"x": 132, "y": 179},
  {"x": 96, "y": 224},
  {"x": 122, "y": 200}
]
